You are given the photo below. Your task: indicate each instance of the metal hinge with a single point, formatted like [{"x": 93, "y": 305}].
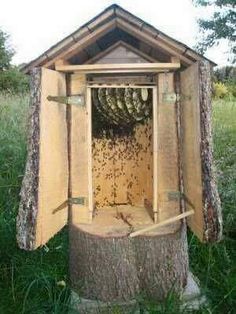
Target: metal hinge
[
  {"x": 170, "y": 98},
  {"x": 78, "y": 200},
  {"x": 174, "y": 195},
  {"x": 77, "y": 100}
]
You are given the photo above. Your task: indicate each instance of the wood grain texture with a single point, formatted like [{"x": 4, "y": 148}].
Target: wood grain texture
[
  {"x": 167, "y": 150},
  {"x": 121, "y": 54},
  {"x": 122, "y": 220},
  {"x": 123, "y": 168},
  {"x": 44, "y": 190},
  {"x": 155, "y": 152},
  {"x": 137, "y": 53},
  {"x": 81, "y": 173},
  {"x": 119, "y": 80},
  {"x": 200, "y": 189},
  {"x": 118, "y": 68}
]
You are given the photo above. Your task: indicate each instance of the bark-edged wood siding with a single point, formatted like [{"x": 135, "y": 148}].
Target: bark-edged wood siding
[
  {"x": 200, "y": 191},
  {"x": 43, "y": 207},
  {"x": 27, "y": 215},
  {"x": 211, "y": 200}
]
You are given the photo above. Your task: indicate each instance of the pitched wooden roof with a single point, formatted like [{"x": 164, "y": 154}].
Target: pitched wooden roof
[{"x": 104, "y": 30}]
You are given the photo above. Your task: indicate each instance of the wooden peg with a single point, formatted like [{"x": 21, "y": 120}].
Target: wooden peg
[{"x": 162, "y": 223}]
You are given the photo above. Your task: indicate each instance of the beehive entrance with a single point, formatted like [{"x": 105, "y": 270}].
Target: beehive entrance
[{"x": 122, "y": 148}]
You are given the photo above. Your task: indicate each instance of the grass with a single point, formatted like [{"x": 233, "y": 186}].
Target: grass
[
  {"x": 37, "y": 282},
  {"x": 29, "y": 281},
  {"x": 215, "y": 265}
]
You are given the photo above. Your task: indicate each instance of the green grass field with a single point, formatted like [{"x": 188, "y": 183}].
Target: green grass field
[{"x": 33, "y": 282}]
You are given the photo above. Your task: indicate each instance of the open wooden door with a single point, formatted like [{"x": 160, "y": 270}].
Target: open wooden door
[
  {"x": 43, "y": 207},
  {"x": 200, "y": 191}
]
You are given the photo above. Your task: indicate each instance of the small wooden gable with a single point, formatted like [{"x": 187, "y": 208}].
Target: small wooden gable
[
  {"x": 115, "y": 28},
  {"x": 121, "y": 72}
]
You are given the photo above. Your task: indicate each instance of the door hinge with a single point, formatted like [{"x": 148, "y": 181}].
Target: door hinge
[
  {"x": 170, "y": 98},
  {"x": 77, "y": 100},
  {"x": 174, "y": 195},
  {"x": 78, "y": 200}
]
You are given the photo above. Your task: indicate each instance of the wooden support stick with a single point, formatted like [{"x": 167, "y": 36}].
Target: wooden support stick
[
  {"x": 162, "y": 223},
  {"x": 155, "y": 152}
]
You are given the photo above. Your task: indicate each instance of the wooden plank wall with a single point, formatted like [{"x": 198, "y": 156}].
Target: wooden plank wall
[
  {"x": 80, "y": 161},
  {"x": 191, "y": 147},
  {"x": 167, "y": 150},
  {"x": 123, "y": 168},
  {"x": 121, "y": 55}
]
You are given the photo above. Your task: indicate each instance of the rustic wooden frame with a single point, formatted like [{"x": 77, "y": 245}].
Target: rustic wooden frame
[
  {"x": 119, "y": 68},
  {"x": 114, "y": 17},
  {"x": 155, "y": 151},
  {"x": 155, "y": 143},
  {"x": 90, "y": 160}
]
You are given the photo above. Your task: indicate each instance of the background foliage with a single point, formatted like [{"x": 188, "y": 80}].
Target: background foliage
[
  {"x": 224, "y": 82},
  {"x": 11, "y": 79},
  {"x": 221, "y": 25}
]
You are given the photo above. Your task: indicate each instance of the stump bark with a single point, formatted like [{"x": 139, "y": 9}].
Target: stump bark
[
  {"x": 28, "y": 209},
  {"x": 107, "y": 266}
]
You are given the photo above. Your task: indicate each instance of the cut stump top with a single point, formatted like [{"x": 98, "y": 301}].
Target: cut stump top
[{"x": 121, "y": 220}]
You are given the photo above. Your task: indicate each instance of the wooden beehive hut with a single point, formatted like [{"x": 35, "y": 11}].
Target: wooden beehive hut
[{"x": 120, "y": 147}]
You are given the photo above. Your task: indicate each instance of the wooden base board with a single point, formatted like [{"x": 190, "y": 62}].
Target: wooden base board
[{"x": 121, "y": 220}]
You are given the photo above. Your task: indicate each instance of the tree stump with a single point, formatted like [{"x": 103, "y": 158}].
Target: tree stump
[{"x": 107, "y": 265}]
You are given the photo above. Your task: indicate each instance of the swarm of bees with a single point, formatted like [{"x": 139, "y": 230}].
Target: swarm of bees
[{"x": 121, "y": 106}]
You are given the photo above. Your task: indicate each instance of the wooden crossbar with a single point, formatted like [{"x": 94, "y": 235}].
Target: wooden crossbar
[
  {"x": 118, "y": 68},
  {"x": 162, "y": 223}
]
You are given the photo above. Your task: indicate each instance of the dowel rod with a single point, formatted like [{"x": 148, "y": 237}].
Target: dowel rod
[{"x": 162, "y": 223}]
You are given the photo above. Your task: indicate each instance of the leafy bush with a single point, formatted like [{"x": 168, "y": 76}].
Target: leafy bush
[
  {"x": 220, "y": 90},
  {"x": 6, "y": 52},
  {"x": 225, "y": 74},
  {"x": 232, "y": 89},
  {"x": 13, "y": 81}
]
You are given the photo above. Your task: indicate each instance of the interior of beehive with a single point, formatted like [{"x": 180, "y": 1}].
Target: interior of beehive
[{"x": 122, "y": 153}]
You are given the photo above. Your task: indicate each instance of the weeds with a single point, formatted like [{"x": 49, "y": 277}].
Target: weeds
[
  {"x": 215, "y": 264},
  {"x": 28, "y": 280}
]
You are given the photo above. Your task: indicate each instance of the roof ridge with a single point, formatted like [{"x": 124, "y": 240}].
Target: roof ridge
[{"x": 114, "y": 8}]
